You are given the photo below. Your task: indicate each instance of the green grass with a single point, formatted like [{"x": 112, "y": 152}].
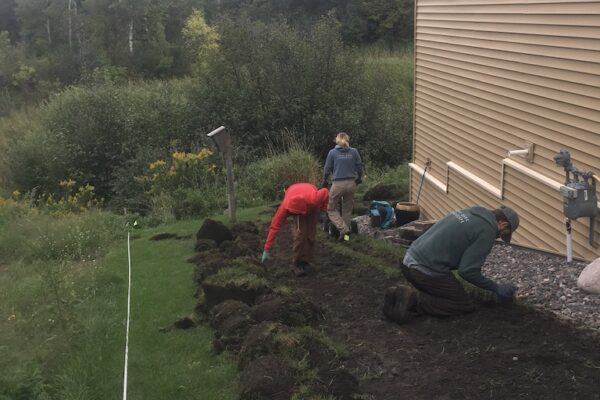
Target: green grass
[
  {"x": 369, "y": 253},
  {"x": 176, "y": 364},
  {"x": 375, "y": 176},
  {"x": 62, "y": 325}
]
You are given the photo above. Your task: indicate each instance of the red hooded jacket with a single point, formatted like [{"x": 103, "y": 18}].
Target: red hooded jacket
[{"x": 299, "y": 199}]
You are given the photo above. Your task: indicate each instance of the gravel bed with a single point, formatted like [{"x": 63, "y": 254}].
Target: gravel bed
[{"x": 545, "y": 281}]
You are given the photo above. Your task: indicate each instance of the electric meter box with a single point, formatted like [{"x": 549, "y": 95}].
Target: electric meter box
[{"x": 579, "y": 200}]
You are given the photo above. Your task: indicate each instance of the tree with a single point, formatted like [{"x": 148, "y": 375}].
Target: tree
[
  {"x": 8, "y": 19},
  {"x": 201, "y": 40}
]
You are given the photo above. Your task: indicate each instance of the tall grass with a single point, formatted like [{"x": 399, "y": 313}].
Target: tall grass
[
  {"x": 375, "y": 176},
  {"x": 388, "y": 87},
  {"x": 15, "y": 126},
  {"x": 62, "y": 317},
  {"x": 47, "y": 267},
  {"x": 289, "y": 162},
  {"x": 29, "y": 234}
]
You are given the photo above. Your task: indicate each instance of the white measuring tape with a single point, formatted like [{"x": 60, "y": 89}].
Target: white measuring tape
[{"x": 128, "y": 313}]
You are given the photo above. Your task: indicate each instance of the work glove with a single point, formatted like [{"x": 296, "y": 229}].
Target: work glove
[
  {"x": 324, "y": 184},
  {"x": 266, "y": 255},
  {"x": 358, "y": 181},
  {"x": 505, "y": 291}
]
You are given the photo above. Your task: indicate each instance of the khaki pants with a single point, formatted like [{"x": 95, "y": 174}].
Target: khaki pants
[
  {"x": 304, "y": 232},
  {"x": 341, "y": 191},
  {"x": 442, "y": 296}
]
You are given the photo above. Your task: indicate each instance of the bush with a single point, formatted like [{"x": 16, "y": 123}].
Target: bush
[
  {"x": 95, "y": 134},
  {"x": 384, "y": 136},
  {"x": 375, "y": 176},
  {"x": 267, "y": 178},
  {"x": 187, "y": 184},
  {"x": 31, "y": 234},
  {"x": 104, "y": 134},
  {"x": 253, "y": 90}
]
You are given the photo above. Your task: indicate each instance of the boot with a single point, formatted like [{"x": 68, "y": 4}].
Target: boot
[
  {"x": 300, "y": 268},
  {"x": 389, "y": 301},
  {"x": 404, "y": 298}
]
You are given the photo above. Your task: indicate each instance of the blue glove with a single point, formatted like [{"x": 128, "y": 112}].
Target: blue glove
[
  {"x": 505, "y": 291},
  {"x": 266, "y": 255}
]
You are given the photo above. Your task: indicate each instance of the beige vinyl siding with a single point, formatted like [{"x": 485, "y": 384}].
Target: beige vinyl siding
[{"x": 492, "y": 76}]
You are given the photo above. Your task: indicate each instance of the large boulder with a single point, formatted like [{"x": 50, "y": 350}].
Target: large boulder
[{"x": 589, "y": 279}]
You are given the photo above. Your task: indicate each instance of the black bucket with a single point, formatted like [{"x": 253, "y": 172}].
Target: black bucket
[{"x": 407, "y": 212}]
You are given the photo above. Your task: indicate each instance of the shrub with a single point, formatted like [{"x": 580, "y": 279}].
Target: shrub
[
  {"x": 375, "y": 176},
  {"x": 267, "y": 178},
  {"x": 31, "y": 234},
  {"x": 104, "y": 133},
  {"x": 187, "y": 184},
  {"x": 94, "y": 135}
]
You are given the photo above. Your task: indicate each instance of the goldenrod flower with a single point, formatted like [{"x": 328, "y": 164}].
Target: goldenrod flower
[
  {"x": 157, "y": 164},
  {"x": 69, "y": 183}
]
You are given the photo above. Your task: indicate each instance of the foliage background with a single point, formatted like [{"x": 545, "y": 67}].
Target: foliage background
[{"x": 106, "y": 131}]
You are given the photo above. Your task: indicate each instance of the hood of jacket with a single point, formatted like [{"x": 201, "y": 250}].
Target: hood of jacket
[
  {"x": 302, "y": 198},
  {"x": 343, "y": 149}
]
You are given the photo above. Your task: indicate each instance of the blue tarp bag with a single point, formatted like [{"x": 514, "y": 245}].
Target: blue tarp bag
[{"x": 382, "y": 214}]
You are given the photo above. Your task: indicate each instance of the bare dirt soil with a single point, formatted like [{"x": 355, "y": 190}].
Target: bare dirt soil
[{"x": 500, "y": 352}]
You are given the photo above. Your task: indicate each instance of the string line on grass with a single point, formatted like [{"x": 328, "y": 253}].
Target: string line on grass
[{"x": 128, "y": 315}]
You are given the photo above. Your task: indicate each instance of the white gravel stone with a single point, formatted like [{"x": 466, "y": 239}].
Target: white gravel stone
[{"x": 545, "y": 281}]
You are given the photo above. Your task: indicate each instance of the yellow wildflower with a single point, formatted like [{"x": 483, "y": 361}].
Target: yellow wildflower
[
  {"x": 179, "y": 156},
  {"x": 157, "y": 164},
  {"x": 69, "y": 183}
]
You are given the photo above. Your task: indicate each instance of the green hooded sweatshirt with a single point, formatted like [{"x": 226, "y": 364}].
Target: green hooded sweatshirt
[{"x": 460, "y": 241}]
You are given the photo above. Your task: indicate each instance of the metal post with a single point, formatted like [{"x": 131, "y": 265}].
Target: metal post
[
  {"x": 569, "y": 240},
  {"x": 223, "y": 141},
  {"x": 230, "y": 187}
]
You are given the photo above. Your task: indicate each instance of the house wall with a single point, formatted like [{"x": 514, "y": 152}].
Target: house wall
[{"x": 496, "y": 75}]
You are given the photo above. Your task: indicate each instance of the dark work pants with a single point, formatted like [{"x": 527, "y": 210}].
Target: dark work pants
[
  {"x": 442, "y": 296},
  {"x": 304, "y": 232}
]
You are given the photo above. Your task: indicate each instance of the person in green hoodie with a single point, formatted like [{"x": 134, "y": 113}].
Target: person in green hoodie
[{"x": 460, "y": 241}]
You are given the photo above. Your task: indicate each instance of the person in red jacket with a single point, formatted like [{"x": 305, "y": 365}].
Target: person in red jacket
[{"x": 305, "y": 202}]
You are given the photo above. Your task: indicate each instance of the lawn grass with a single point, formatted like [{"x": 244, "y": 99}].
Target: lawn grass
[
  {"x": 369, "y": 253},
  {"x": 40, "y": 359}
]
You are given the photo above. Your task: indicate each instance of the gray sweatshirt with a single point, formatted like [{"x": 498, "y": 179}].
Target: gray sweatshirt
[{"x": 344, "y": 163}]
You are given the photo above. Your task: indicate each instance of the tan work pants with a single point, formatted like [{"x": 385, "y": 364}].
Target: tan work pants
[
  {"x": 304, "y": 232},
  {"x": 341, "y": 193}
]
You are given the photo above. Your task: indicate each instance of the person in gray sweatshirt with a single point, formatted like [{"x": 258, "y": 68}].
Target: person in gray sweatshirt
[{"x": 345, "y": 167}]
